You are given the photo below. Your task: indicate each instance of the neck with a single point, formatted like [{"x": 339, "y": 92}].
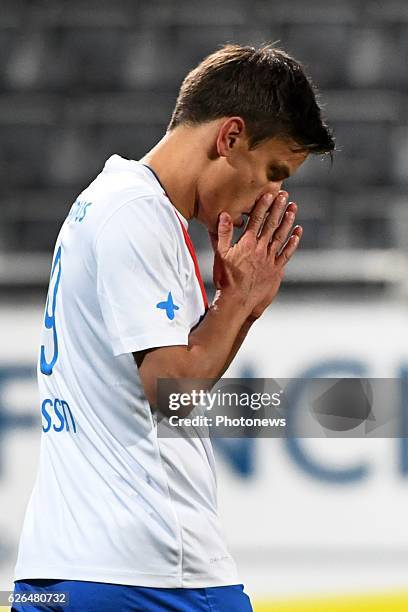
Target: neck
[{"x": 178, "y": 159}]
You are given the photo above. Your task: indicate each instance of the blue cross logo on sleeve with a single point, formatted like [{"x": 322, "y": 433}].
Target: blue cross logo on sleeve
[{"x": 169, "y": 306}]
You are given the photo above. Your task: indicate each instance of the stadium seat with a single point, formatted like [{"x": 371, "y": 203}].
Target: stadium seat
[
  {"x": 85, "y": 79},
  {"x": 318, "y": 12},
  {"x": 376, "y": 57},
  {"x": 306, "y": 41},
  {"x": 399, "y": 155}
]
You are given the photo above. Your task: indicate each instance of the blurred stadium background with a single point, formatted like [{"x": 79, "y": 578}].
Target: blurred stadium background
[{"x": 319, "y": 527}]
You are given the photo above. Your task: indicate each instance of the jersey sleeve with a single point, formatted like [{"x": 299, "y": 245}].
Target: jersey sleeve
[{"x": 140, "y": 279}]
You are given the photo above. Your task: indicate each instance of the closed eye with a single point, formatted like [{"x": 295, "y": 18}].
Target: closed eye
[
  {"x": 274, "y": 178},
  {"x": 278, "y": 173}
]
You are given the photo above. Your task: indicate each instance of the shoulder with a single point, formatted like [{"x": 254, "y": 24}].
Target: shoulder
[
  {"x": 143, "y": 216},
  {"x": 131, "y": 202},
  {"x": 144, "y": 230}
]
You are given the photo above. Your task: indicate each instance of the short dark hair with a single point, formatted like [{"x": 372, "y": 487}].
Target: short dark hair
[{"x": 265, "y": 86}]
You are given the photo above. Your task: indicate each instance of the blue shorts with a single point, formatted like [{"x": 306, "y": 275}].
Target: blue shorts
[{"x": 105, "y": 597}]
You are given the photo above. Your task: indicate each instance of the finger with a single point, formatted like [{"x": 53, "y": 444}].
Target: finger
[
  {"x": 292, "y": 207},
  {"x": 297, "y": 231},
  {"x": 274, "y": 218},
  {"x": 225, "y": 232},
  {"x": 257, "y": 216},
  {"x": 282, "y": 233},
  {"x": 290, "y": 247}
]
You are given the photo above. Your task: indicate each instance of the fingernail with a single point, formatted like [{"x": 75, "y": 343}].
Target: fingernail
[
  {"x": 268, "y": 198},
  {"x": 224, "y": 219}
]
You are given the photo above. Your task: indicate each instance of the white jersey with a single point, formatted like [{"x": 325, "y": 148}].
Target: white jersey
[{"x": 112, "y": 501}]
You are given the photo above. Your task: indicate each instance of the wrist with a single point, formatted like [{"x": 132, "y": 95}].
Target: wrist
[{"x": 230, "y": 300}]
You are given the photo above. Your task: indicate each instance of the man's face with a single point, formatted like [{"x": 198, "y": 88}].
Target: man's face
[{"x": 239, "y": 176}]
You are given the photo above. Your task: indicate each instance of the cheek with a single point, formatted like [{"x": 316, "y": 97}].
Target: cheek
[
  {"x": 227, "y": 189},
  {"x": 244, "y": 190},
  {"x": 251, "y": 190},
  {"x": 225, "y": 192},
  {"x": 244, "y": 185}
]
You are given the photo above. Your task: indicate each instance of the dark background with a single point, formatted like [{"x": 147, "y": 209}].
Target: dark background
[{"x": 81, "y": 80}]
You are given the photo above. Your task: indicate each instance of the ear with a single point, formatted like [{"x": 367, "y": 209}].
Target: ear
[{"x": 231, "y": 133}]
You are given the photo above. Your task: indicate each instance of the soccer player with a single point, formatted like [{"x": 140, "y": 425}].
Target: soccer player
[{"x": 120, "y": 518}]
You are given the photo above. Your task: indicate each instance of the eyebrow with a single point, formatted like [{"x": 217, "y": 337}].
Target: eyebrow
[{"x": 280, "y": 169}]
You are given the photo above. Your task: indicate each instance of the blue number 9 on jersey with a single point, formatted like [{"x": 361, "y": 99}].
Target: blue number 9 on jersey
[{"x": 49, "y": 319}]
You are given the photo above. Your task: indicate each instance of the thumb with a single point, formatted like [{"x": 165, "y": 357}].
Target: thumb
[{"x": 225, "y": 231}]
